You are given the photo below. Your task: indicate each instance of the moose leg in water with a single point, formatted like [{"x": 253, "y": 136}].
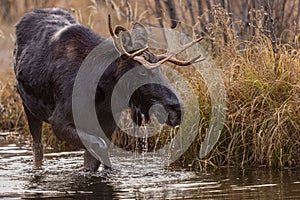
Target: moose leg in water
[
  {"x": 35, "y": 127},
  {"x": 66, "y": 131}
]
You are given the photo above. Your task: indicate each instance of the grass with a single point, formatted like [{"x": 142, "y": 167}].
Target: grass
[
  {"x": 12, "y": 116},
  {"x": 262, "y": 126}
]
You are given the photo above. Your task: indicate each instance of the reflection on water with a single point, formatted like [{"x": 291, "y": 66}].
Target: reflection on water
[{"x": 63, "y": 178}]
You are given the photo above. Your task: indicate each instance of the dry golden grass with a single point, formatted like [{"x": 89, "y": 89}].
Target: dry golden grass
[
  {"x": 262, "y": 125},
  {"x": 263, "y": 117},
  {"x": 11, "y": 117}
]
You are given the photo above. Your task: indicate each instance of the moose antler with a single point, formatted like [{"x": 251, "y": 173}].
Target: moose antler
[
  {"x": 171, "y": 57},
  {"x": 117, "y": 38}
]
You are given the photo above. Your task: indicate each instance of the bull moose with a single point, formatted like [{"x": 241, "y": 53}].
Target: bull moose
[{"x": 49, "y": 50}]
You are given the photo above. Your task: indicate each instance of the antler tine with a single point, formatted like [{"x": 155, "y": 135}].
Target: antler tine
[
  {"x": 164, "y": 58},
  {"x": 185, "y": 62},
  {"x": 149, "y": 65},
  {"x": 189, "y": 45},
  {"x": 110, "y": 27},
  {"x": 169, "y": 58},
  {"x": 183, "y": 48},
  {"x": 117, "y": 40}
]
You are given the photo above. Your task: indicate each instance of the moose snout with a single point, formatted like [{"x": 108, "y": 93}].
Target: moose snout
[
  {"x": 175, "y": 114},
  {"x": 159, "y": 100},
  {"x": 170, "y": 114}
]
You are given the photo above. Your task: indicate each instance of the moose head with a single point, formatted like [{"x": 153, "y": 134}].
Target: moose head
[{"x": 156, "y": 97}]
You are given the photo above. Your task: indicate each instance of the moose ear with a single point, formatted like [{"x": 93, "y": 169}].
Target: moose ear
[
  {"x": 139, "y": 36},
  {"x": 126, "y": 37},
  {"x": 127, "y": 41}
]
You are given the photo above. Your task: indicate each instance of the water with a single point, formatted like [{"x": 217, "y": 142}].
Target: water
[{"x": 62, "y": 177}]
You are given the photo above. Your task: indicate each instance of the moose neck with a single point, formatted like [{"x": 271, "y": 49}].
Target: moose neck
[{"x": 103, "y": 99}]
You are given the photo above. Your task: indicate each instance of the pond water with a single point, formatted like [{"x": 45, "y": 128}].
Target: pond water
[{"x": 62, "y": 177}]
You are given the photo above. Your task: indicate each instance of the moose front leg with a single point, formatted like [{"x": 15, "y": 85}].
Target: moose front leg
[
  {"x": 90, "y": 163},
  {"x": 97, "y": 148},
  {"x": 68, "y": 133}
]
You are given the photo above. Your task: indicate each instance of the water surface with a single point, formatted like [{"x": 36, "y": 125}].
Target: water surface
[{"x": 62, "y": 177}]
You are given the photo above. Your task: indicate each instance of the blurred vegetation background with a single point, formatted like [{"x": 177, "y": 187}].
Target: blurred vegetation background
[{"x": 254, "y": 42}]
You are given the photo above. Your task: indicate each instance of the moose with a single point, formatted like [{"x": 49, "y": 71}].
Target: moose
[{"x": 49, "y": 49}]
